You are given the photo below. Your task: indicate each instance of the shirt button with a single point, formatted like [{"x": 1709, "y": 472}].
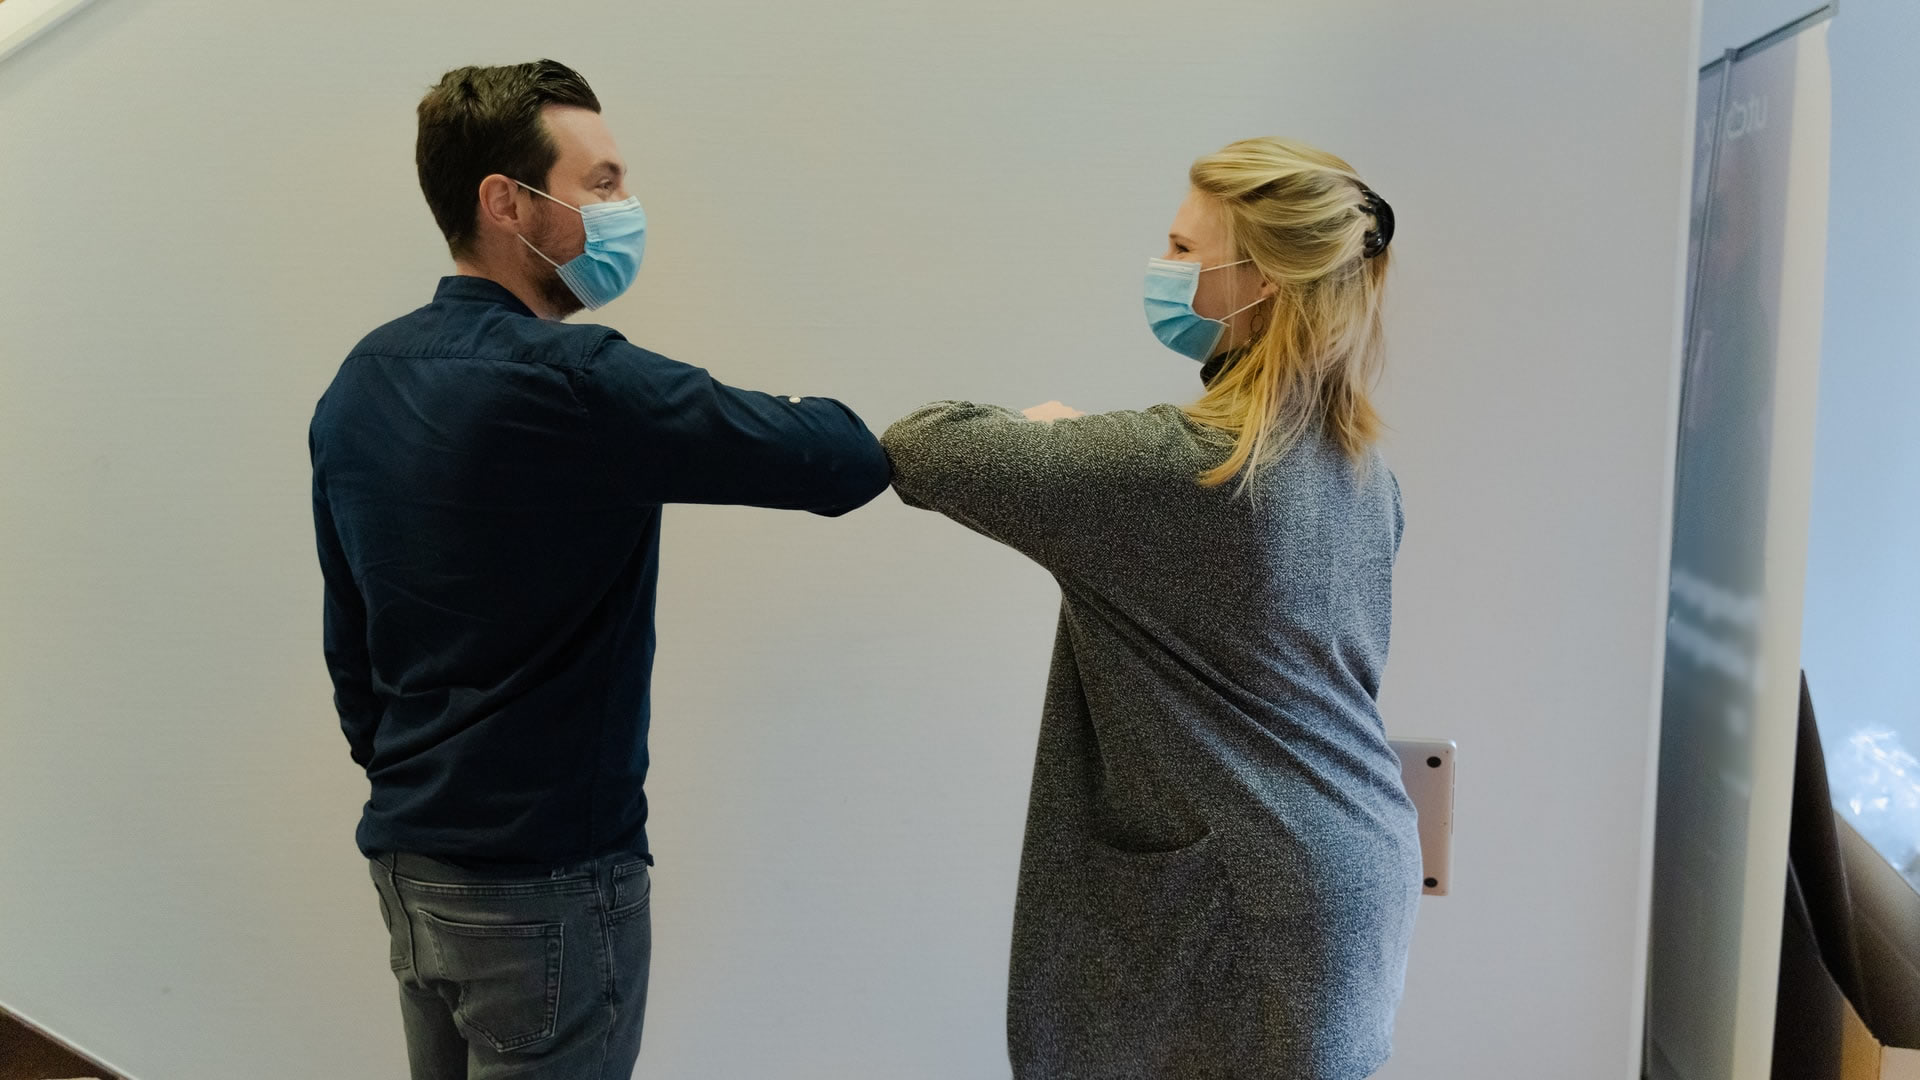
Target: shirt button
[{"x": 795, "y": 400}]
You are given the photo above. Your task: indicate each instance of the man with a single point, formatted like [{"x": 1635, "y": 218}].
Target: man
[{"x": 487, "y": 485}]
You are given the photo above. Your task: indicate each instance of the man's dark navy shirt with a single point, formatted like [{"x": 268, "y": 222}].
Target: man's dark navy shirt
[{"x": 487, "y": 489}]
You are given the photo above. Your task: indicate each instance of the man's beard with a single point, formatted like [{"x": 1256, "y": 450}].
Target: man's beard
[{"x": 546, "y": 279}]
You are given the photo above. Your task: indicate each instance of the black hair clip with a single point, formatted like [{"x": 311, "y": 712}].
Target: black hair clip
[{"x": 1381, "y": 234}]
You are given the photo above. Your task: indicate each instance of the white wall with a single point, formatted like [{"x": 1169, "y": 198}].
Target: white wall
[{"x": 205, "y": 202}]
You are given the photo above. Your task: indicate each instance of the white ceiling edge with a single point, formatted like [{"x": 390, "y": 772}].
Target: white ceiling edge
[{"x": 23, "y": 20}]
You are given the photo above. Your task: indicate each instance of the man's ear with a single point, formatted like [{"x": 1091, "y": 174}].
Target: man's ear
[{"x": 503, "y": 205}]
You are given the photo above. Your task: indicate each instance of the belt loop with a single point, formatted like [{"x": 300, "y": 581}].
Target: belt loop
[{"x": 393, "y": 882}]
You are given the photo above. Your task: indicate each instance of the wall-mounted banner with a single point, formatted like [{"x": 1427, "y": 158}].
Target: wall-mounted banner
[{"x": 1742, "y": 491}]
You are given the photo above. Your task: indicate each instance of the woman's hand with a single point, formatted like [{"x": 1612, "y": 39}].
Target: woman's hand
[{"x": 1052, "y": 411}]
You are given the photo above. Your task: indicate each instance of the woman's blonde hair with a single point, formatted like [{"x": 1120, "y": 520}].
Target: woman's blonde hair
[{"x": 1319, "y": 235}]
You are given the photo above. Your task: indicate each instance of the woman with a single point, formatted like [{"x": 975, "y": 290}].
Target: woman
[{"x": 1221, "y": 866}]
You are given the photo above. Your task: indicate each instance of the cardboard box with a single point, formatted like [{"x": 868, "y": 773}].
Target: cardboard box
[{"x": 1863, "y": 1057}]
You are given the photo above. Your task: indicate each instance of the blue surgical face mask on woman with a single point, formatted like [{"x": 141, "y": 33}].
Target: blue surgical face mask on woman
[
  {"x": 1171, "y": 285},
  {"x": 616, "y": 242}
]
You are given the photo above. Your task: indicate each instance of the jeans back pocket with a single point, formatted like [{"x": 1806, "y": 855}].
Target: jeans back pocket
[{"x": 508, "y": 977}]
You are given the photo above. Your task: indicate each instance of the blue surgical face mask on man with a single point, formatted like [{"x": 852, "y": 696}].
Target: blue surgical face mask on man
[
  {"x": 616, "y": 241},
  {"x": 1171, "y": 285}
]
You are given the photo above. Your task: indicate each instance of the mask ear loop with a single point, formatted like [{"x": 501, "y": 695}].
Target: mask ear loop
[
  {"x": 528, "y": 242},
  {"x": 544, "y": 195},
  {"x": 1227, "y": 323},
  {"x": 538, "y": 252},
  {"x": 1238, "y": 310},
  {"x": 1223, "y": 266}
]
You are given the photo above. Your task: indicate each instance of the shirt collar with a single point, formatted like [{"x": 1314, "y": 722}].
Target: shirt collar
[{"x": 481, "y": 290}]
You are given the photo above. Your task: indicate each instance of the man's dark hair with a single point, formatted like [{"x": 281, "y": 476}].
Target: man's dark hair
[{"x": 478, "y": 121}]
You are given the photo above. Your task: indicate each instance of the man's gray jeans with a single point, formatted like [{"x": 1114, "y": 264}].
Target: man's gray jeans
[{"x": 538, "y": 978}]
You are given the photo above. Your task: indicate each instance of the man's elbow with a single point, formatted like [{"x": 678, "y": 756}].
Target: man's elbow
[{"x": 858, "y": 481}]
